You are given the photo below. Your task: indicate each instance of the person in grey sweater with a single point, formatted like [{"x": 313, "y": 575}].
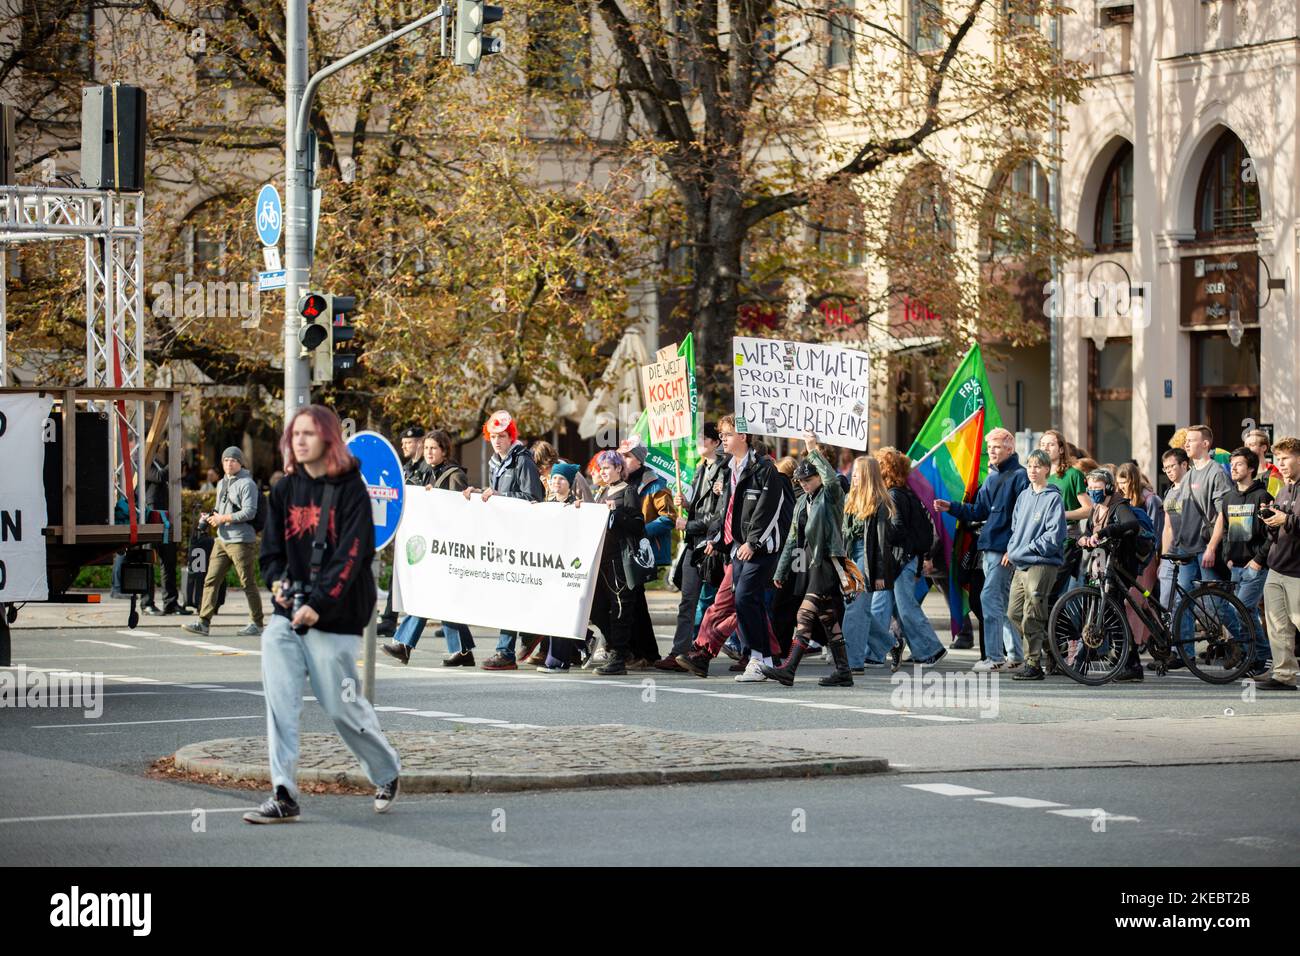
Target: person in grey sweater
[
  {"x": 1036, "y": 550},
  {"x": 235, "y": 544}
]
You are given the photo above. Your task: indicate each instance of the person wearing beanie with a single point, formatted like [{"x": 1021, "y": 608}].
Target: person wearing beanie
[{"x": 236, "y": 543}]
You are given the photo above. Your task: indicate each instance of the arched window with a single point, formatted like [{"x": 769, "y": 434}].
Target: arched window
[
  {"x": 1115, "y": 205},
  {"x": 1020, "y": 204},
  {"x": 1227, "y": 199}
]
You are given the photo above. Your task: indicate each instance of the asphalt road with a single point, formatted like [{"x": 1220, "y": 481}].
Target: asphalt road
[{"x": 73, "y": 790}]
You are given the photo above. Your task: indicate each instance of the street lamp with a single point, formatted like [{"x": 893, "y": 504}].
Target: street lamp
[
  {"x": 1235, "y": 328},
  {"x": 1135, "y": 307}
]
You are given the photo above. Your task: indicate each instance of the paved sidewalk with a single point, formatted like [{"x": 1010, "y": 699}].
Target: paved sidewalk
[{"x": 534, "y": 759}]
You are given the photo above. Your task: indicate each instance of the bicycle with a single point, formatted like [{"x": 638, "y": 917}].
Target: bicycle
[{"x": 1089, "y": 638}]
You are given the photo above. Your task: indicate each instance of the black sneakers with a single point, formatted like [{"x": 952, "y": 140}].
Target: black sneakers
[
  {"x": 616, "y": 666},
  {"x": 459, "y": 659},
  {"x": 386, "y": 795},
  {"x": 695, "y": 662},
  {"x": 1029, "y": 672},
  {"x": 279, "y": 808}
]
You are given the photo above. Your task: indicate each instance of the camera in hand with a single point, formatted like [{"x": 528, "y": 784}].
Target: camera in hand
[{"x": 299, "y": 593}]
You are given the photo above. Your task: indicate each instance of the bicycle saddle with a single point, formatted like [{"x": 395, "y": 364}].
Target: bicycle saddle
[{"x": 1180, "y": 557}]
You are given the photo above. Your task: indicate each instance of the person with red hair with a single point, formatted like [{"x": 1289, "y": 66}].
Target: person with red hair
[
  {"x": 316, "y": 555},
  {"x": 511, "y": 472}
]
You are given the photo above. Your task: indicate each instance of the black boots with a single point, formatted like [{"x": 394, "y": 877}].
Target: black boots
[
  {"x": 843, "y": 677},
  {"x": 784, "y": 674}
]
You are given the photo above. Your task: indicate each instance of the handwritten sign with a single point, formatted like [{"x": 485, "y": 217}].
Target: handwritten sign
[
  {"x": 667, "y": 398},
  {"x": 786, "y": 388}
]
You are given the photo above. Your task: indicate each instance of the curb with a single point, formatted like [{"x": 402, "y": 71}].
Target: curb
[{"x": 194, "y": 759}]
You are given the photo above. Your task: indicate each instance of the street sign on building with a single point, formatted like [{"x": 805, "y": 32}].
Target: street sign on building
[
  {"x": 381, "y": 469},
  {"x": 269, "y": 215}
]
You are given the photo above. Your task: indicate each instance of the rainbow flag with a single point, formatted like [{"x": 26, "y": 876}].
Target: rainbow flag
[{"x": 951, "y": 471}]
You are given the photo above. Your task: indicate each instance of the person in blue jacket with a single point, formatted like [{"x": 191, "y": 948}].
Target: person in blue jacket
[{"x": 994, "y": 505}]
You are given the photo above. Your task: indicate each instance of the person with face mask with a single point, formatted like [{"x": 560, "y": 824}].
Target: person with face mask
[{"x": 1112, "y": 517}]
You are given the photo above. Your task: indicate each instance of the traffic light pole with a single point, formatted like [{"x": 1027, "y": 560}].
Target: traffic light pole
[{"x": 298, "y": 96}]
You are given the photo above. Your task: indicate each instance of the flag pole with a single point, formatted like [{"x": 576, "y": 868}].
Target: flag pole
[{"x": 944, "y": 439}]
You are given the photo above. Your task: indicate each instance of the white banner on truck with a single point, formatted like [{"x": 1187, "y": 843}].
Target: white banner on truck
[
  {"x": 501, "y": 563},
  {"x": 22, "y": 497}
]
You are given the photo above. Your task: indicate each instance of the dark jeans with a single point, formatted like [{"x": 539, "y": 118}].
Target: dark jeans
[
  {"x": 750, "y": 579},
  {"x": 684, "y": 635}
]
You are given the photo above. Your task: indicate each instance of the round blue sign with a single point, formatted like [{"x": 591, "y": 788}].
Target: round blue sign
[
  {"x": 269, "y": 215},
  {"x": 381, "y": 469}
]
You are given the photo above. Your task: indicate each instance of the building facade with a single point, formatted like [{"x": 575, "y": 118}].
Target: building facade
[{"x": 1180, "y": 180}]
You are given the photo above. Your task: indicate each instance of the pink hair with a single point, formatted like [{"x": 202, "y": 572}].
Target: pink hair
[{"x": 337, "y": 457}]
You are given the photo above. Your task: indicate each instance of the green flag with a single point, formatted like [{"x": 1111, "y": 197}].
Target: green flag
[
  {"x": 967, "y": 390},
  {"x": 660, "y": 456}
]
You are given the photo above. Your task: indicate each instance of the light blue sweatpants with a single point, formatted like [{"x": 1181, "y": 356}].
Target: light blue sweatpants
[{"x": 329, "y": 661}]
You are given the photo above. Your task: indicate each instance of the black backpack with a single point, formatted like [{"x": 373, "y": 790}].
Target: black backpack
[
  {"x": 920, "y": 530},
  {"x": 259, "y": 519}
]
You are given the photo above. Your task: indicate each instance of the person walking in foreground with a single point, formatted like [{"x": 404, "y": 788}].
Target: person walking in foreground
[
  {"x": 316, "y": 557},
  {"x": 815, "y": 537},
  {"x": 1036, "y": 551},
  {"x": 236, "y": 543}
]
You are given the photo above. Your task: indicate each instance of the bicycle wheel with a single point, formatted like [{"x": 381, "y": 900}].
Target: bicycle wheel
[
  {"x": 1210, "y": 650},
  {"x": 1088, "y": 636}
]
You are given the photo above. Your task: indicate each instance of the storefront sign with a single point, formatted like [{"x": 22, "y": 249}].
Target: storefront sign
[{"x": 1209, "y": 283}]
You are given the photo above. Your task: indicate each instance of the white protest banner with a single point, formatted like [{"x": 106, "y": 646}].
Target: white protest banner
[
  {"x": 22, "y": 497},
  {"x": 786, "y": 388},
  {"x": 502, "y": 563},
  {"x": 667, "y": 398}
]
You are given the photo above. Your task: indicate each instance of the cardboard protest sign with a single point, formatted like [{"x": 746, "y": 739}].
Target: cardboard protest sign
[
  {"x": 667, "y": 399},
  {"x": 23, "y": 418},
  {"x": 786, "y": 388}
]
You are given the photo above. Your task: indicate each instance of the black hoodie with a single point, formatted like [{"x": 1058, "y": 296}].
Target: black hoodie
[
  {"x": 344, "y": 595},
  {"x": 1284, "y": 555},
  {"x": 1245, "y": 538}
]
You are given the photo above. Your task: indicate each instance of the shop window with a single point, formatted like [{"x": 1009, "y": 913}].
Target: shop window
[
  {"x": 1115, "y": 208},
  {"x": 1110, "y": 401},
  {"x": 1227, "y": 199}
]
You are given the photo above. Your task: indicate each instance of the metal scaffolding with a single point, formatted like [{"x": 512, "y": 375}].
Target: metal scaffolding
[{"x": 111, "y": 225}]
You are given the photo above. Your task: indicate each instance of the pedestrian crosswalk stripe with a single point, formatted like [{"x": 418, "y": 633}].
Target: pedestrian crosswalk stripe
[{"x": 948, "y": 789}]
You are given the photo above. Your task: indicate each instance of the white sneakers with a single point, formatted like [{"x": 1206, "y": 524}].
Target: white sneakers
[
  {"x": 753, "y": 672},
  {"x": 987, "y": 665}
]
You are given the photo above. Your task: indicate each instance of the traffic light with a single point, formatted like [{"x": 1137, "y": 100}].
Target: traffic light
[
  {"x": 344, "y": 354},
  {"x": 314, "y": 307},
  {"x": 471, "y": 43}
]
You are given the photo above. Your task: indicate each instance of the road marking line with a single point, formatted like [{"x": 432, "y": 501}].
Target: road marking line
[
  {"x": 1023, "y": 803},
  {"x": 948, "y": 789},
  {"x": 1095, "y": 812},
  {"x": 130, "y": 813},
  {"x": 475, "y": 720},
  {"x": 934, "y": 717},
  {"x": 136, "y": 723},
  {"x": 125, "y": 647},
  {"x": 433, "y": 713},
  {"x": 200, "y": 686},
  {"x": 139, "y": 634},
  {"x": 395, "y": 710},
  {"x": 201, "y": 645}
]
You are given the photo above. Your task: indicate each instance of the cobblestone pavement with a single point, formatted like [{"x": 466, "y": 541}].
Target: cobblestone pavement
[{"x": 545, "y": 758}]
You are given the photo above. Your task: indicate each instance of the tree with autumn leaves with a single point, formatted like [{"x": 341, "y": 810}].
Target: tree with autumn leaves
[{"x": 766, "y": 163}]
